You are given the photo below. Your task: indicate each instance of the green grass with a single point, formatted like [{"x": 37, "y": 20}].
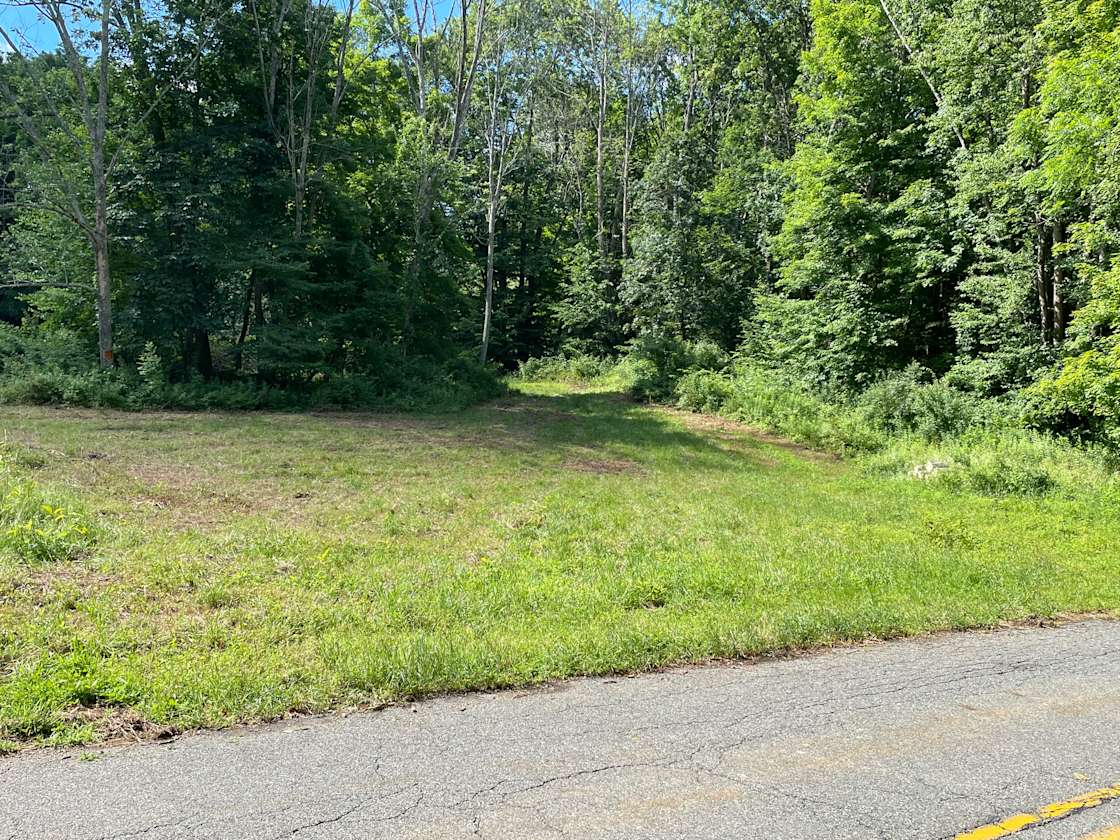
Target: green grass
[{"x": 243, "y": 566}]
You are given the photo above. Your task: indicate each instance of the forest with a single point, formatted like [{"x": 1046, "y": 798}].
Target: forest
[{"x": 311, "y": 202}]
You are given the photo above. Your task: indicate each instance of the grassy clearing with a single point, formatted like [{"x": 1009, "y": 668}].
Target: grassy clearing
[{"x": 242, "y": 566}]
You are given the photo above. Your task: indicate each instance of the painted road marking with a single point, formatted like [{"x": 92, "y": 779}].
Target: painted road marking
[
  {"x": 1046, "y": 814},
  {"x": 1106, "y": 834}
]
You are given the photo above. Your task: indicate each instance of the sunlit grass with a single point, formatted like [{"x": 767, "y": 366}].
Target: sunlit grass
[{"x": 246, "y": 565}]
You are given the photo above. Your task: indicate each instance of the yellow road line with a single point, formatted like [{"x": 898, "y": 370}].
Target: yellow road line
[
  {"x": 1047, "y": 813},
  {"x": 1105, "y": 834}
]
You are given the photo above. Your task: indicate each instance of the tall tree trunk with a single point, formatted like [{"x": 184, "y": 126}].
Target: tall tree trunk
[
  {"x": 488, "y": 307},
  {"x": 1058, "y": 284},
  {"x": 204, "y": 359},
  {"x": 104, "y": 289},
  {"x": 1043, "y": 277},
  {"x": 626, "y": 146},
  {"x": 600, "y": 155},
  {"x": 101, "y": 201},
  {"x": 523, "y": 257},
  {"x": 629, "y": 130}
]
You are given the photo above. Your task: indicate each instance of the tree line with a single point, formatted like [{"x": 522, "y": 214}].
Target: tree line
[{"x": 289, "y": 191}]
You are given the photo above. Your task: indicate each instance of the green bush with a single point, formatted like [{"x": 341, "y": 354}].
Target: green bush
[
  {"x": 704, "y": 390},
  {"x": 994, "y": 474},
  {"x": 578, "y": 368},
  {"x": 1080, "y": 398},
  {"x": 897, "y": 406},
  {"x": 401, "y": 385},
  {"x": 910, "y": 402},
  {"x": 764, "y": 399},
  {"x": 53, "y": 386},
  {"x": 57, "y": 350},
  {"x": 657, "y": 363},
  {"x": 904, "y": 422}
]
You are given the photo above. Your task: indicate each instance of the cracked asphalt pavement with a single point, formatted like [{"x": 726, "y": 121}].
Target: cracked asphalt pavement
[{"x": 925, "y": 738}]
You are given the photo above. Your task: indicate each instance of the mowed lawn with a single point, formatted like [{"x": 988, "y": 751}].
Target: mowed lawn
[{"x": 247, "y": 565}]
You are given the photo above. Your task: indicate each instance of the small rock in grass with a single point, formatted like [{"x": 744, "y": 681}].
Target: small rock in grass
[{"x": 929, "y": 469}]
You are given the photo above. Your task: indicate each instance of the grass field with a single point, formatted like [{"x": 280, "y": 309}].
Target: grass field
[{"x": 241, "y": 566}]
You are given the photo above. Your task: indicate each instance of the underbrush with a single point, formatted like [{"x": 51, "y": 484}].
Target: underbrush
[
  {"x": 647, "y": 368},
  {"x": 908, "y": 424},
  {"x": 402, "y": 385},
  {"x": 1003, "y": 462},
  {"x": 560, "y": 368}
]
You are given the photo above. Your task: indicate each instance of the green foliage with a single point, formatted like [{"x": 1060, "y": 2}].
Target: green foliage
[
  {"x": 704, "y": 391},
  {"x": 993, "y": 474},
  {"x": 911, "y": 403},
  {"x": 1080, "y": 182},
  {"x": 907, "y": 421},
  {"x": 52, "y": 386},
  {"x": 1081, "y": 398},
  {"x": 587, "y": 310},
  {"x": 579, "y": 368},
  {"x": 403, "y": 385},
  {"x": 655, "y": 363},
  {"x": 150, "y": 369},
  {"x": 765, "y": 400}
]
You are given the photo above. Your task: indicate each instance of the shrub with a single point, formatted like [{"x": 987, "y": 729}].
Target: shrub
[
  {"x": 903, "y": 422},
  {"x": 770, "y": 401},
  {"x": 1080, "y": 398},
  {"x": 578, "y": 368},
  {"x": 656, "y": 363},
  {"x": 58, "y": 350},
  {"x": 151, "y": 371},
  {"x": 908, "y": 403},
  {"x": 53, "y": 386},
  {"x": 399, "y": 385},
  {"x": 704, "y": 390},
  {"x": 994, "y": 474}
]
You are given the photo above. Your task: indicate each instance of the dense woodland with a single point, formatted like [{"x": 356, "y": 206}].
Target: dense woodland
[{"x": 299, "y": 194}]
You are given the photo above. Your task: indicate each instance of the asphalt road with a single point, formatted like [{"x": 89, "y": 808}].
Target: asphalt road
[{"x": 930, "y": 738}]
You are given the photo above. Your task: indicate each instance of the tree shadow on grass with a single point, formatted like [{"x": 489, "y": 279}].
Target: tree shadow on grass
[
  {"x": 600, "y": 432},
  {"x": 608, "y": 423}
]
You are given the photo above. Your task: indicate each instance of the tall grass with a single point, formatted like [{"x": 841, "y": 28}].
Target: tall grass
[
  {"x": 906, "y": 427},
  {"x": 907, "y": 424}
]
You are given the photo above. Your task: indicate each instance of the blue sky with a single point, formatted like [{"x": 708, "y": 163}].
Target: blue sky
[{"x": 20, "y": 19}]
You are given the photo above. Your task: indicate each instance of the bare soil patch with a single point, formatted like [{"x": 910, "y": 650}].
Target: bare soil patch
[
  {"x": 601, "y": 466},
  {"x": 117, "y": 724}
]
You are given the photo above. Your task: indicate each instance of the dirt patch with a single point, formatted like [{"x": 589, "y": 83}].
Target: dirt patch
[
  {"x": 601, "y": 466},
  {"x": 117, "y": 724},
  {"x": 731, "y": 430},
  {"x": 41, "y": 584},
  {"x": 165, "y": 475},
  {"x": 187, "y": 497}
]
